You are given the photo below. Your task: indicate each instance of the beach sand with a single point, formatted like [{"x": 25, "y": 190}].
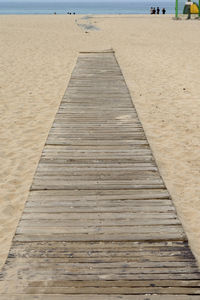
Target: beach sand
[{"x": 160, "y": 60}]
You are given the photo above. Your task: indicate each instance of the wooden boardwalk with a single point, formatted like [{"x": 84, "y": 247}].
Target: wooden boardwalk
[{"x": 99, "y": 223}]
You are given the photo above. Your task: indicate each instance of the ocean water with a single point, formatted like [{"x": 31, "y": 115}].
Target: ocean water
[{"x": 21, "y": 8}]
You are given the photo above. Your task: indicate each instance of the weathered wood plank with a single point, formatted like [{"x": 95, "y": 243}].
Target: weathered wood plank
[
  {"x": 98, "y": 222},
  {"x": 55, "y": 169},
  {"x": 104, "y": 283},
  {"x": 62, "y": 264},
  {"x": 101, "y": 194},
  {"x": 57, "y": 150},
  {"x": 138, "y": 204},
  {"x": 105, "y": 215},
  {"x": 110, "y": 246},
  {"x": 101, "y": 237},
  {"x": 97, "y": 297},
  {"x": 101, "y": 230},
  {"x": 102, "y": 177},
  {"x": 92, "y": 142},
  {"x": 106, "y": 273},
  {"x": 123, "y": 276},
  {"x": 62, "y": 207},
  {"x": 107, "y": 291},
  {"x": 80, "y": 185}
]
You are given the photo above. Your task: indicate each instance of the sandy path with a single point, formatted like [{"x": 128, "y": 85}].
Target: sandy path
[{"x": 161, "y": 64}]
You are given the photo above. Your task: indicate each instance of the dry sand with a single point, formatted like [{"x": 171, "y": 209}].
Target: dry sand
[{"x": 161, "y": 64}]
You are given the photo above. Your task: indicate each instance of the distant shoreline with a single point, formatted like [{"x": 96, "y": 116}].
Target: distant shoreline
[
  {"x": 79, "y": 14},
  {"x": 45, "y": 8}
]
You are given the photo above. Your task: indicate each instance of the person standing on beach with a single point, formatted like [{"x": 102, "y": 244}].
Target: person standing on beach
[
  {"x": 163, "y": 11},
  {"x": 154, "y": 11},
  {"x": 189, "y": 3},
  {"x": 158, "y": 10},
  {"x": 151, "y": 10}
]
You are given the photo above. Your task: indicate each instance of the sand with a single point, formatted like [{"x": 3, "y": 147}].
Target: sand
[{"x": 161, "y": 64}]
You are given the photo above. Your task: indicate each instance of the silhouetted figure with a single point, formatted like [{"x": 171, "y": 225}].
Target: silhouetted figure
[
  {"x": 158, "y": 10},
  {"x": 163, "y": 11},
  {"x": 151, "y": 10},
  {"x": 189, "y": 11},
  {"x": 154, "y": 11}
]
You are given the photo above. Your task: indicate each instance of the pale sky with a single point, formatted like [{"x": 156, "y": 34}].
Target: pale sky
[
  {"x": 87, "y": 1},
  {"x": 73, "y": 1}
]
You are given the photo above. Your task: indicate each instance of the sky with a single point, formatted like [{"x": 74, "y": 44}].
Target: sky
[
  {"x": 58, "y": 1},
  {"x": 74, "y": 1}
]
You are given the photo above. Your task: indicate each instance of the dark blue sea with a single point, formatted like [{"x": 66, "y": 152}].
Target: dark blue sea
[{"x": 46, "y": 8}]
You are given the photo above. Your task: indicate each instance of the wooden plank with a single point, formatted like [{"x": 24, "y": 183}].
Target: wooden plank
[
  {"x": 63, "y": 258},
  {"x": 101, "y": 230},
  {"x": 109, "y": 290},
  {"x": 123, "y": 276},
  {"x": 96, "y": 256},
  {"x": 101, "y": 194},
  {"x": 109, "y": 246},
  {"x": 79, "y": 175},
  {"x": 107, "y": 176},
  {"x": 96, "y": 169},
  {"x": 103, "y": 162},
  {"x": 88, "y": 136},
  {"x": 60, "y": 130},
  {"x": 62, "y": 265},
  {"x": 94, "y": 128},
  {"x": 98, "y": 222},
  {"x": 138, "y": 204},
  {"x": 101, "y": 178},
  {"x": 57, "y": 208},
  {"x": 96, "y": 297},
  {"x": 64, "y": 150},
  {"x": 101, "y": 237},
  {"x": 92, "y": 142},
  {"x": 105, "y": 215},
  {"x": 70, "y": 255},
  {"x": 81, "y": 185},
  {"x": 104, "y": 283},
  {"x": 49, "y": 249},
  {"x": 73, "y": 273}
]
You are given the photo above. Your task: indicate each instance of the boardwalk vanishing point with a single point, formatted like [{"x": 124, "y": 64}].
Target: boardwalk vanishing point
[{"x": 98, "y": 223}]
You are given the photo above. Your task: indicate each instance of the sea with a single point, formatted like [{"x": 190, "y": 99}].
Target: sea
[{"x": 48, "y": 8}]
